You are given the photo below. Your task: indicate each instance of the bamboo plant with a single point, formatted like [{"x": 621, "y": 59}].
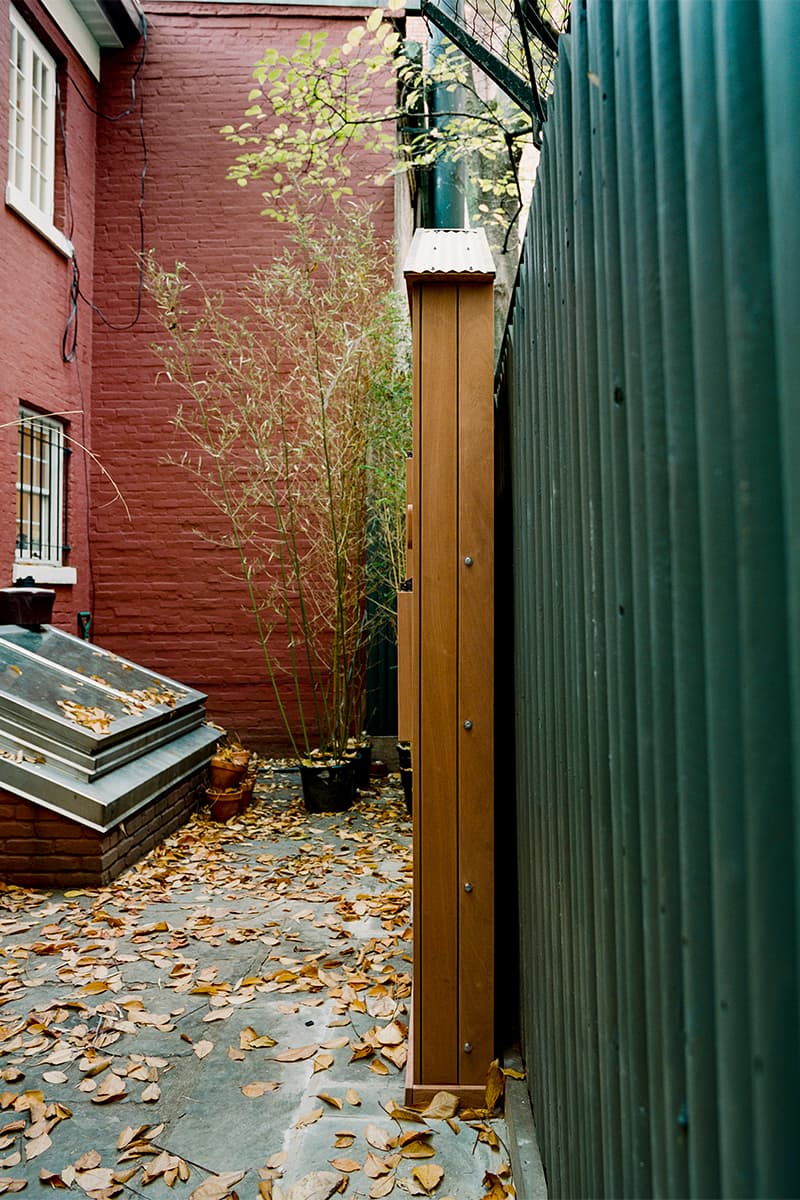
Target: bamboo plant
[{"x": 288, "y": 384}]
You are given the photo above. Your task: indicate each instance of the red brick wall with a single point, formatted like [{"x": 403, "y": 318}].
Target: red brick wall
[
  {"x": 34, "y": 303},
  {"x": 161, "y": 595}
]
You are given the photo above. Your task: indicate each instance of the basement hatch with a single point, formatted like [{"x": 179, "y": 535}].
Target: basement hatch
[{"x": 89, "y": 734}]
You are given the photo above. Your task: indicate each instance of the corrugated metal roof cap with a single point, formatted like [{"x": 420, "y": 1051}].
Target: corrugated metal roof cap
[{"x": 450, "y": 252}]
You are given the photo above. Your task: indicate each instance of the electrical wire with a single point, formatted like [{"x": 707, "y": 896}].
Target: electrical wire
[{"x": 69, "y": 341}]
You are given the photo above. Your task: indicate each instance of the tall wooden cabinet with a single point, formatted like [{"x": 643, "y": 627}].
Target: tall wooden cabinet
[{"x": 447, "y": 646}]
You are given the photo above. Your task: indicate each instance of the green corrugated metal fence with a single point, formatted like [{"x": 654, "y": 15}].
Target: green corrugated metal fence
[{"x": 651, "y": 385}]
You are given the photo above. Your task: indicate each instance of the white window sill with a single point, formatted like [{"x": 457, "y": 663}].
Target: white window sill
[
  {"x": 23, "y": 208},
  {"x": 44, "y": 573}
]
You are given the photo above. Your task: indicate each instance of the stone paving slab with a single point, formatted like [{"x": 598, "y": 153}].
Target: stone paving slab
[{"x": 171, "y": 986}]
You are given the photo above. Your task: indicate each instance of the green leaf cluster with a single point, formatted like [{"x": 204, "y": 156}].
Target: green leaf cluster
[{"x": 313, "y": 109}]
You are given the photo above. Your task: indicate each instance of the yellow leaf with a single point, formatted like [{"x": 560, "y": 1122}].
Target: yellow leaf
[
  {"x": 418, "y": 1149},
  {"x": 378, "y": 1067},
  {"x": 112, "y": 1088},
  {"x": 379, "y": 1138},
  {"x": 217, "y": 1187},
  {"x": 442, "y": 1106},
  {"x": 429, "y": 1176},
  {"x": 87, "y": 1161},
  {"x": 258, "y": 1088},
  {"x": 382, "y": 1187},
  {"x": 390, "y": 1035},
  {"x": 298, "y": 1054},
  {"x": 308, "y": 1118},
  {"x": 495, "y": 1085},
  {"x": 37, "y": 1146},
  {"x": 348, "y": 1165}
]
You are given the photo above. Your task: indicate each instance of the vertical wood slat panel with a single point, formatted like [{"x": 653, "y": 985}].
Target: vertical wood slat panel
[
  {"x": 475, "y": 416},
  {"x": 435, "y": 744}
]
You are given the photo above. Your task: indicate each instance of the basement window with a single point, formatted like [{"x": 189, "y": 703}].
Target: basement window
[
  {"x": 40, "y": 500},
  {"x": 32, "y": 132}
]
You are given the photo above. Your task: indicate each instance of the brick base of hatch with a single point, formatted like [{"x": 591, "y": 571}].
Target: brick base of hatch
[{"x": 45, "y": 849}]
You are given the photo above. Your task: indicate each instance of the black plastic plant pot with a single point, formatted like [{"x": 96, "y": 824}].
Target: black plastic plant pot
[
  {"x": 404, "y": 755},
  {"x": 362, "y": 758},
  {"x": 405, "y": 779},
  {"x": 329, "y": 787}
]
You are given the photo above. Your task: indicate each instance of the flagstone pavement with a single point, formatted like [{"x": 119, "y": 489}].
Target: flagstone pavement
[{"x": 229, "y": 1018}]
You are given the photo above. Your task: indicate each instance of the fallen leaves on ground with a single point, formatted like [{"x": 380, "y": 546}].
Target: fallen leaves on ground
[{"x": 86, "y": 974}]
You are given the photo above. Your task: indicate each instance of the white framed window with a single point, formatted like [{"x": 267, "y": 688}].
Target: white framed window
[
  {"x": 40, "y": 499},
  {"x": 32, "y": 132}
]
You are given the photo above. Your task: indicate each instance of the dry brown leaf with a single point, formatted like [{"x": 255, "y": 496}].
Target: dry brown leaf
[
  {"x": 319, "y": 1185},
  {"x": 348, "y": 1165},
  {"x": 219, "y": 1014},
  {"x": 202, "y": 1048},
  {"x": 344, "y": 1141},
  {"x": 250, "y": 1040},
  {"x": 442, "y": 1106},
  {"x": 374, "y": 1167},
  {"x": 429, "y": 1176},
  {"x": 382, "y": 1187},
  {"x": 418, "y": 1149},
  {"x": 378, "y": 1138},
  {"x": 380, "y": 1068},
  {"x": 55, "y": 1077},
  {"x": 87, "y": 1161},
  {"x": 308, "y": 1118},
  {"x": 95, "y": 1180},
  {"x": 495, "y": 1085},
  {"x": 37, "y": 1146},
  {"x": 298, "y": 1054},
  {"x": 12, "y": 1185},
  {"x": 390, "y": 1035},
  {"x": 112, "y": 1088},
  {"x": 323, "y": 1062},
  {"x": 217, "y": 1187},
  {"x": 399, "y": 1112},
  {"x": 397, "y": 1055},
  {"x": 12, "y": 1160},
  {"x": 258, "y": 1088},
  {"x": 265, "y": 1189},
  {"x": 151, "y": 1093},
  {"x": 334, "y": 1101},
  {"x": 352, "y": 1097}
]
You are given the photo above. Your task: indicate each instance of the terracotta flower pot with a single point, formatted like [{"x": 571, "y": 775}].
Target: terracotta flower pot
[
  {"x": 246, "y": 789},
  {"x": 226, "y": 774},
  {"x": 224, "y": 802}
]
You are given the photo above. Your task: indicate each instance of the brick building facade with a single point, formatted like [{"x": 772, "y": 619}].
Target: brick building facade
[{"x": 139, "y": 164}]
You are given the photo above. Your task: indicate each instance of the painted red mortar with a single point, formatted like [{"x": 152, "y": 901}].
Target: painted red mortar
[{"x": 40, "y": 848}]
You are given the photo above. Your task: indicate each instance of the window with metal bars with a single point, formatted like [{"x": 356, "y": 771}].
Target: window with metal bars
[
  {"x": 32, "y": 131},
  {"x": 40, "y": 490}
]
